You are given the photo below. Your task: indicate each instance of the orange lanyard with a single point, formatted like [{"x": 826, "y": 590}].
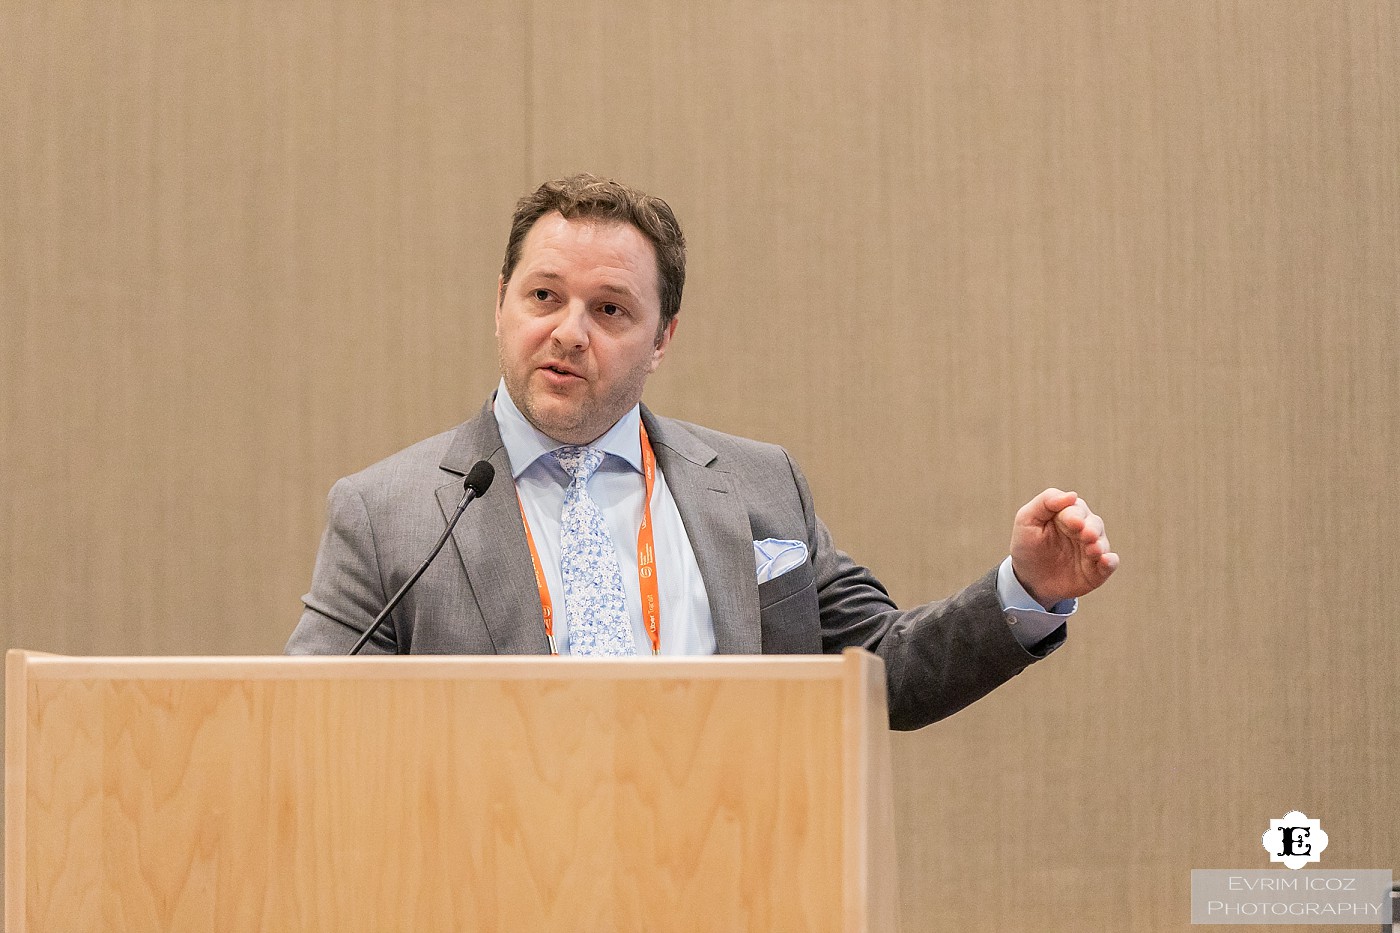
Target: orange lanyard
[{"x": 646, "y": 561}]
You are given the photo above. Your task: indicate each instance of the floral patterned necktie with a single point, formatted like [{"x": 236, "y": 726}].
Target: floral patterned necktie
[{"x": 594, "y": 603}]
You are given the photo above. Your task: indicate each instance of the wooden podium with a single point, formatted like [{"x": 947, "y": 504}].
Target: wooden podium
[{"x": 447, "y": 793}]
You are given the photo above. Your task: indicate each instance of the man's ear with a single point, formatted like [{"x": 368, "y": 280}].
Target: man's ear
[
  {"x": 663, "y": 342},
  {"x": 500, "y": 299}
]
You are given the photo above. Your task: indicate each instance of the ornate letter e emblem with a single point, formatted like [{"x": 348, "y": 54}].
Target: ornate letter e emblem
[{"x": 1295, "y": 840}]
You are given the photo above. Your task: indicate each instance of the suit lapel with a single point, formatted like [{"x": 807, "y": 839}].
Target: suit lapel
[
  {"x": 490, "y": 542},
  {"x": 716, "y": 520}
]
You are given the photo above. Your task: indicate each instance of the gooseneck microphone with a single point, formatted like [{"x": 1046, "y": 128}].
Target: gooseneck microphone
[{"x": 475, "y": 485}]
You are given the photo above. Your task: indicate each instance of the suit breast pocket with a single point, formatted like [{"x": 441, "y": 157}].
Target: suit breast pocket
[{"x": 787, "y": 607}]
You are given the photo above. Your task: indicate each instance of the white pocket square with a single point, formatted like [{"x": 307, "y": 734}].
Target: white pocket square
[{"x": 774, "y": 557}]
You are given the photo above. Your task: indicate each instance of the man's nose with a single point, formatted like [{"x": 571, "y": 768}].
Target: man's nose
[{"x": 571, "y": 330}]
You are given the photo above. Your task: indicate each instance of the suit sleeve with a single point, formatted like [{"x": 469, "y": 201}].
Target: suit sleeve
[
  {"x": 347, "y": 589},
  {"x": 939, "y": 657}
]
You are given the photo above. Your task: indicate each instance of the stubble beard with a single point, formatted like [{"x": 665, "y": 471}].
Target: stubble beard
[{"x": 580, "y": 422}]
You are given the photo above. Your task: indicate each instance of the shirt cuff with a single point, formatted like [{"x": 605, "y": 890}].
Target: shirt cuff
[{"x": 1030, "y": 622}]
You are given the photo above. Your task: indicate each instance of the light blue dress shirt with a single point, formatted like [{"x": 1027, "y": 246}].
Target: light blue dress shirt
[
  {"x": 620, "y": 491},
  {"x": 687, "y": 628},
  {"x": 1030, "y": 622}
]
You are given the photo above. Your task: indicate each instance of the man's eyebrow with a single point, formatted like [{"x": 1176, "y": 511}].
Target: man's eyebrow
[{"x": 606, "y": 286}]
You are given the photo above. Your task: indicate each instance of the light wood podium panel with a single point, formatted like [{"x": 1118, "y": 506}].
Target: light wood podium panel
[{"x": 447, "y": 793}]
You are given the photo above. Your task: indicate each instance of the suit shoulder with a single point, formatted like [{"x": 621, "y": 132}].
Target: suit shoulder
[
  {"x": 413, "y": 468},
  {"x": 730, "y": 449}
]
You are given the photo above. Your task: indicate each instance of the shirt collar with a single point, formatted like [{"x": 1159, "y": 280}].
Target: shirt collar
[{"x": 525, "y": 443}]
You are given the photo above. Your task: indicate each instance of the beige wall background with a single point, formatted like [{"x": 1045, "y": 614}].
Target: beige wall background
[{"x": 948, "y": 254}]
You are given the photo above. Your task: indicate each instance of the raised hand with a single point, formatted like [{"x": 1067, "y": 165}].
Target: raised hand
[{"x": 1059, "y": 549}]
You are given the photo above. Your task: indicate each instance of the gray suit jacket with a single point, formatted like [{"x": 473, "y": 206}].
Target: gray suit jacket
[{"x": 480, "y": 597}]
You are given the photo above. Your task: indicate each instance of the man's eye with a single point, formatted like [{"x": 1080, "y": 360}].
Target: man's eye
[
  {"x": 541, "y": 294},
  {"x": 612, "y": 310}
]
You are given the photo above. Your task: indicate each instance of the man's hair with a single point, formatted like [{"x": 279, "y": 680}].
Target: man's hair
[{"x": 588, "y": 197}]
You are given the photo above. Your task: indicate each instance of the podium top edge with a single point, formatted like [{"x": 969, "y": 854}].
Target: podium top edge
[{"x": 39, "y": 666}]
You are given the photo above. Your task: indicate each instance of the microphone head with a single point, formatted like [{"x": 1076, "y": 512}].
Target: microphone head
[{"x": 479, "y": 478}]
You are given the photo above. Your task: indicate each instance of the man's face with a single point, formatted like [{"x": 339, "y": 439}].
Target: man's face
[{"x": 577, "y": 325}]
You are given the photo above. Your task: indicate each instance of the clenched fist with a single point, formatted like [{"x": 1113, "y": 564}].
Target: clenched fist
[{"x": 1059, "y": 549}]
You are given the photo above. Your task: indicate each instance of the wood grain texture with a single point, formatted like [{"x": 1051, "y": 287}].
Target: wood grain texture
[
  {"x": 1148, "y": 251},
  {"x": 240, "y": 795},
  {"x": 16, "y": 786}
]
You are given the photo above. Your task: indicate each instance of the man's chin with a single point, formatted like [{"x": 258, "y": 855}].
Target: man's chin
[{"x": 563, "y": 421}]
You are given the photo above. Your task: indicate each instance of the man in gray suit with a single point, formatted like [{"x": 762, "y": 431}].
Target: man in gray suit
[{"x": 730, "y": 555}]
